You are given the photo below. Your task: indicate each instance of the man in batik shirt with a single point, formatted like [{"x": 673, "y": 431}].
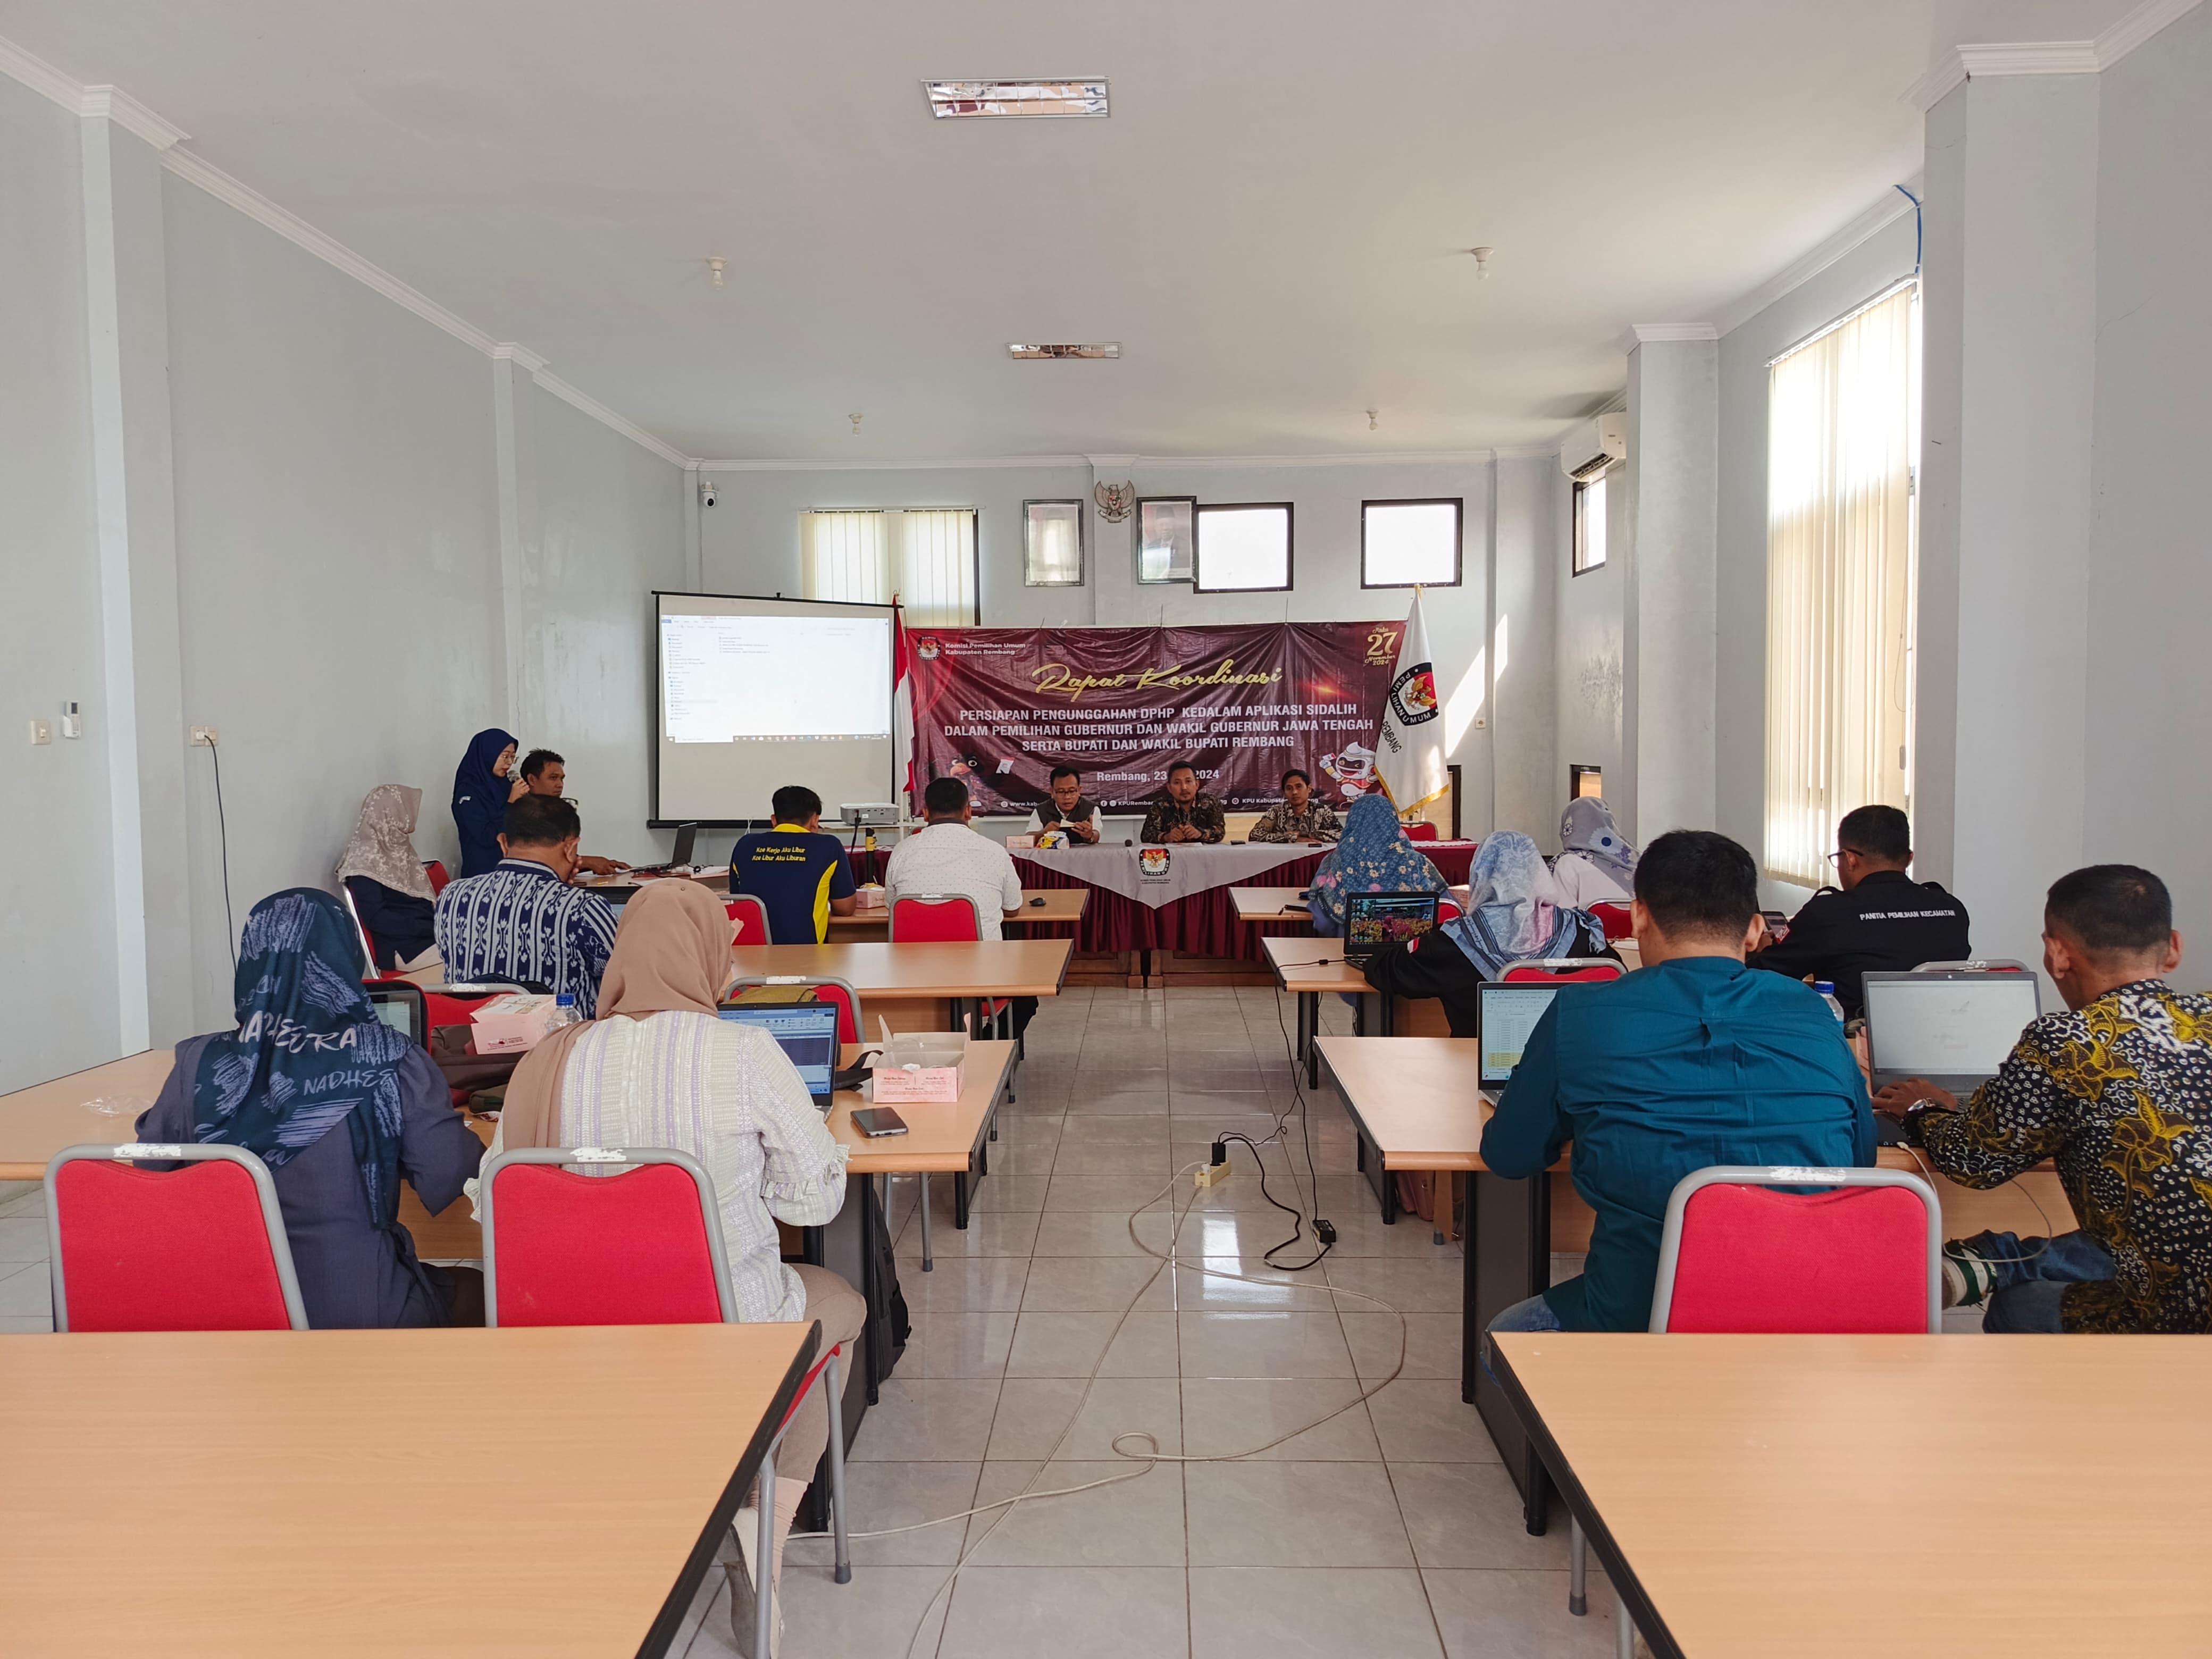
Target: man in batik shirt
[
  {"x": 2118, "y": 1090},
  {"x": 1189, "y": 813},
  {"x": 1299, "y": 817}
]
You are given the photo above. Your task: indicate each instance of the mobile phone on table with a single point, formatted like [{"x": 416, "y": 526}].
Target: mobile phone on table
[{"x": 878, "y": 1120}]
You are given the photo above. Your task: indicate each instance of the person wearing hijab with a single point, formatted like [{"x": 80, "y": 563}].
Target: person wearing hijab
[
  {"x": 1515, "y": 913},
  {"x": 339, "y": 1106},
  {"x": 1372, "y": 856},
  {"x": 659, "y": 1067},
  {"x": 391, "y": 892},
  {"x": 482, "y": 789},
  {"x": 1596, "y": 865}
]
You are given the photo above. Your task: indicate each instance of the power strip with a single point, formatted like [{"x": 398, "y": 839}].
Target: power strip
[{"x": 1210, "y": 1175}]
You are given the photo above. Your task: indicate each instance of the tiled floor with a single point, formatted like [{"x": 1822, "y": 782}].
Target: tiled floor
[{"x": 1388, "y": 1528}]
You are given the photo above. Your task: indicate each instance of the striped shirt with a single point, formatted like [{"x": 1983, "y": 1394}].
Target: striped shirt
[
  {"x": 519, "y": 921},
  {"x": 724, "y": 1093}
]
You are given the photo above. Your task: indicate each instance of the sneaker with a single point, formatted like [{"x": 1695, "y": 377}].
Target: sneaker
[{"x": 1968, "y": 1280}]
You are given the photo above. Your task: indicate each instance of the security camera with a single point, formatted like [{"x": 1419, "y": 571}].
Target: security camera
[{"x": 706, "y": 494}]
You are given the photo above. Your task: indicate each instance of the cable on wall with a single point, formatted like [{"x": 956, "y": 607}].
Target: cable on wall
[
  {"x": 1919, "y": 231},
  {"x": 222, "y": 826}
]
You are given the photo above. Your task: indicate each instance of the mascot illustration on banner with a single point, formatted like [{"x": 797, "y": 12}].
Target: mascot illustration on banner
[{"x": 1353, "y": 768}]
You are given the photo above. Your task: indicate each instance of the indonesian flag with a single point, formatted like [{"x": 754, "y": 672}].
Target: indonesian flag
[
  {"x": 1409, "y": 757},
  {"x": 902, "y": 706}
]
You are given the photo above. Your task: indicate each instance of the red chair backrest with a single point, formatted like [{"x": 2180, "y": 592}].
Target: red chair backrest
[
  {"x": 1524, "y": 975},
  {"x": 750, "y": 916},
  {"x": 1615, "y": 919},
  {"x": 619, "y": 1249},
  {"x": 1756, "y": 1259},
  {"x": 187, "y": 1250},
  {"x": 848, "y": 1009},
  {"x": 436, "y": 871},
  {"x": 1420, "y": 830},
  {"x": 929, "y": 921},
  {"x": 1448, "y": 910}
]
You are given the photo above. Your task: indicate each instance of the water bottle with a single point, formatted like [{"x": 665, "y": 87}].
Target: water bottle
[
  {"x": 1827, "y": 988},
  {"x": 565, "y": 1011}
]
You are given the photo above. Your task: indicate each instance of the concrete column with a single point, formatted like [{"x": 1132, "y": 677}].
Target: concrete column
[
  {"x": 1671, "y": 481},
  {"x": 2008, "y": 319},
  {"x": 134, "y": 518},
  {"x": 1528, "y": 780},
  {"x": 514, "y": 419},
  {"x": 1109, "y": 576}
]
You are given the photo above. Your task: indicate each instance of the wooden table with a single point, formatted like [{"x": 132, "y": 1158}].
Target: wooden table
[
  {"x": 1821, "y": 1495},
  {"x": 913, "y": 986},
  {"x": 1417, "y": 1103},
  {"x": 250, "y": 1493},
  {"x": 1061, "y": 905},
  {"x": 1270, "y": 904}
]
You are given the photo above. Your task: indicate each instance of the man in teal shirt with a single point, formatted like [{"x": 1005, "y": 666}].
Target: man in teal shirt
[{"x": 1693, "y": 1060}]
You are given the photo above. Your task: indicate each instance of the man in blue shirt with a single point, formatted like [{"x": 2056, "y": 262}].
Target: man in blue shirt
[
  {"x": 1693, "y": 1060},
  {"x": 800, "y": 875},
  {"x": 520, "y": 921}
]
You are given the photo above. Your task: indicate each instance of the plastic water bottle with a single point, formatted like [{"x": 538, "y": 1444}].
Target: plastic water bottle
[
  {"x": 565, "y": 1011},
  {"x": 1826, "y": 988}
]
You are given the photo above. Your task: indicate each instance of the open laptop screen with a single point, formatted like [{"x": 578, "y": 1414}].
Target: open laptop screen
[
  {"x": 1506, "y": 1014},
  {"x": 806, "y": 1032},
  {"x": 1374, "y": 921},
  {"x": 1946, "y": 1024}
]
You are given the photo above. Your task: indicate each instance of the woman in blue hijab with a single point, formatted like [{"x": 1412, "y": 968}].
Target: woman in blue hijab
[
  {"x": 339, "y": 1106},
  {"x": 1515, "y": 914},
  {"x": 1372, "y": 856},
  {"x": 481, "y": 790}
]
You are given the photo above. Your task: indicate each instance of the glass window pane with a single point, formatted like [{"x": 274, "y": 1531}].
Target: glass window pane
[
  {"x": 1052, "y": 543},
  {"x": 1589, "y": 524},
  {"x": 1244, "y": 548},
  {"x": 1402, "y": 542}
]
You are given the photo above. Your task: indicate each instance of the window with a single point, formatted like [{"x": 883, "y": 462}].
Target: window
[
  {"x": 1842, "y": 412},
  {"x": 924, "y": 557},
  {"x": 1406, "y": 543},
  {"x": 1243, "y": 549},
  {"x": 1052, "y": 543},
  {"x": 1589, "y": 524},
  {"x": 1585, "y": 781}
]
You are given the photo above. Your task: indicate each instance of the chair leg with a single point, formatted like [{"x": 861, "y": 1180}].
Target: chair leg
[
  {"x": 836, "y": 1402},
  {"x": 764, "y": 1561},
  {"x": 928, "y": 1259},
  {"x": 1623, "y": 1628},
  {"x": 1577, "y": 1569}
]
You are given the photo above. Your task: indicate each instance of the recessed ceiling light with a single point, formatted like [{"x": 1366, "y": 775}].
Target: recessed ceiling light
[
  {"x": 948, "y": 99},
  {"x": 1040, "y": 352}
]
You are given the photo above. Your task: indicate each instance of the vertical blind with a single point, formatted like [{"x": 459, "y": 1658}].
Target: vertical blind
[
  {"x": 1840, "y": 553},
  {"x": 924, "y": 557}
]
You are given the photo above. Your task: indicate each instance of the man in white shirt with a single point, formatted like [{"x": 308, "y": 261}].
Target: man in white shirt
[{"x": 948, "y": 857}]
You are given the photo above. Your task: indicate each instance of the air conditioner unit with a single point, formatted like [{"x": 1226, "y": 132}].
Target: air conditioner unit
[{"x": 1595, "y": 446}]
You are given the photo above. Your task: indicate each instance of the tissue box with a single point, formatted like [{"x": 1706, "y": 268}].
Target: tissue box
[
  {"x": 894, "y": 1085},
  {"x": 1021, "y": 843},
  {"x": 513, "y": 1023},
  {"x": 869, "y": 898}
]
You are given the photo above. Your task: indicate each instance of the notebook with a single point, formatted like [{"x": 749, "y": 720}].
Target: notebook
[
  {"x": 1953, "y": 1028},
  {"x": 807, "y": 1034},
  {"x": 1374, "y": 921}
]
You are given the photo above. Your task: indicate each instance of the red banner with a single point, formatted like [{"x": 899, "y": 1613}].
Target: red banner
[{"x": 999, "y": 707}]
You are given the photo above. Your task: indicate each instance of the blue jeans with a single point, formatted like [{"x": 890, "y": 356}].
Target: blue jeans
[
  {"x": 2032, "y": 1275},
  {"x": 1534, "y": 1314}
]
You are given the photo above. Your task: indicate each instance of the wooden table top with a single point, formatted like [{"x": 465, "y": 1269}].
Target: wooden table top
[
  {"x": 941, "y": 1135},
  {"x": 1269, "y": 904},
  {"x": 37, "y": 1122},
  {"x": 1294, "y": 957},
  {"x": 1896, "y": 1495},
  {"x": 249, "y": 1492},
  {"x": 1061, "y": 904},
  {"x": 1417, "y": 1097},
  {"x": 991, "y": 968}
]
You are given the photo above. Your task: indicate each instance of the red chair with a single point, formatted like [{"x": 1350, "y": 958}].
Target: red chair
[
  {"x": 1420, "y": 830},
  {"x": 435, "y": 869},
  {"x": 199, "y": 1248},
  {"x": 944, "y": 919},
  {"x": 367, "y": 947},
  {"x": 750, "y": 916},
  {"x": 1737, "y": 1255},
  {"x": 1449, "y": 910},
  {"x": 1616, "y": 921},
  {"x": 849, "y": 1026},
  {"x": 1538, "y": 968},
  {"x": 642, "y": 1248}
]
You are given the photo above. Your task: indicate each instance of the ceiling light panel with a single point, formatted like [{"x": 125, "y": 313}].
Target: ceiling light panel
[
  {"x": 950, "y": 100},
  {"x": 1052, "y": 353}
]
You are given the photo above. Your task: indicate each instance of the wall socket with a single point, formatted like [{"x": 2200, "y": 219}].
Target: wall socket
[
  {"x": 205, "y": 737},
  {"x": 41, "y": 731}
]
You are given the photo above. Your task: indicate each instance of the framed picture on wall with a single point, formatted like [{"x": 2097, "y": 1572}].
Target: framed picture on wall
[
  {"x": 1052, "y": 543},
  {"x": 1167, "y": 537}
]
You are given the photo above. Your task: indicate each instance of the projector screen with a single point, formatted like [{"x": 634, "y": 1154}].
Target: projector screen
[{"x": 756, "y": 694}]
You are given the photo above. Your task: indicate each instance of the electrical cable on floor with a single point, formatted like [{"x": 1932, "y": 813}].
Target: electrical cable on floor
[{"x": 222, "y": 825}]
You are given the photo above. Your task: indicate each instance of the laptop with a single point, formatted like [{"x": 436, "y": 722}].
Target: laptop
[
  {"x": 687, "y": 839},
  {"x": 1952, "y": 1027},
  {"x": 401, "y": 1006},
  {"x": 807, "y": 1034},
  {"x": 1374, "y": 921},
  {"x": 1505, "y": 1016}
]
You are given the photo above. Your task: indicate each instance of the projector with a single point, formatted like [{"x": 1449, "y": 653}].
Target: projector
[{"x": 867, "y": 814}]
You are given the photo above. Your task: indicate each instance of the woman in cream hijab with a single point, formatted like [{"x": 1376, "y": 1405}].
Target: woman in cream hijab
[
  {"x": 659, "y": 1067},
  {"x": 391, "y": 892}
]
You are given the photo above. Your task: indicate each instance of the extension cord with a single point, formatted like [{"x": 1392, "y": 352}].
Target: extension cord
[{"x": 1213, "y": 1173}]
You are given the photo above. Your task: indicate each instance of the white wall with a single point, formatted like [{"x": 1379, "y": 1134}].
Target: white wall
[{"x": 58, "y": 946}]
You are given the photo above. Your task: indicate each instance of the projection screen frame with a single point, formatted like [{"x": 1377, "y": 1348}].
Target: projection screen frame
[{"x": 659, "y": 821}]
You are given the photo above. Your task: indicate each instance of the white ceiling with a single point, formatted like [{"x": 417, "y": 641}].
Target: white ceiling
[{"x": 1268, "y": 223}]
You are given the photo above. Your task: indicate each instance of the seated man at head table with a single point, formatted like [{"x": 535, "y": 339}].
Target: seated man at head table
[
  {"x": 1073, "y": 813},
  {"x": 800, "y": 874},
  {"x": 1298, "y": 815},
  {"x": 1876, "y": 917},
  {"x": 2118, "y": 1090},
  {"x": 544, "y": 773},
  {"x": 1694, "y": 1061},
  {"x": 521, "y": 923},
  {"x": 948, "y": 857},
  {"x": 1187, "y": 813}
]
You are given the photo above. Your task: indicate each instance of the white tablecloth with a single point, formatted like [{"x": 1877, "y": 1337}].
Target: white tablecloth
[{"x": 1192, "y": 868}]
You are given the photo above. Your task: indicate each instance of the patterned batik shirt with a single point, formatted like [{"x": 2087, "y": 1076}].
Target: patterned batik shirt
[
  {"x": 1318, "y": 822},
  {"x": 519, "y": 921},
  {"x": 1204, "y": 815},
  {"x": 2119, "y": 1093}
]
